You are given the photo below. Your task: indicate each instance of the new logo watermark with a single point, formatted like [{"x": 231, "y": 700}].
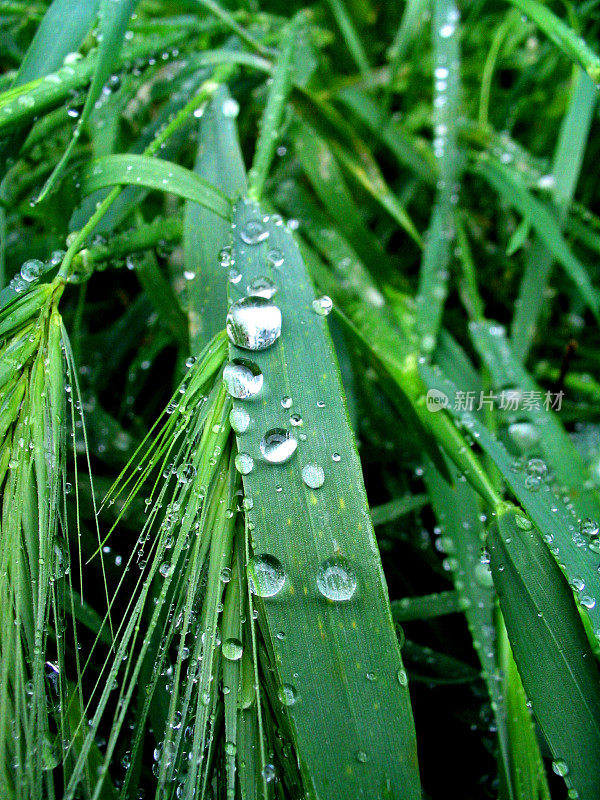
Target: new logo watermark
[{"x": 506, "y": 400}]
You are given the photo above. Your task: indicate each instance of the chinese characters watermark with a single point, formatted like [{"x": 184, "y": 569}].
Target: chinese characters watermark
[{"x": 506, "y": 400}]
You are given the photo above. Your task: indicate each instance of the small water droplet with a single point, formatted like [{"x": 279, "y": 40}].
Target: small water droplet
[
  {"x": 269, "y": 773},
  {"x": 275, "y": 257},
  {"x": 230, "y": 108},
  {"x": 402, "y": 677},
  {"x": 295, "y": 420},
  {"x": 254, "y": 232},
  {"x": 239, "y": 419},
  {"x": 362, "y": 757},
  {"x": 278, "y": 446},
  {"x": 232, "y": 649},
  {"x": 253, "y": 323},
  {"x": 313, "y": 476},
  {"x": 523, "y": 523},
  {"x": 244, "y": 463},
  {"x": 287, "y": 694},
  {"x": 165, "y": 569},
  {"x": 559, "y": 767},
  {"x": 265, "y": 575},
  {"x": 31, "y": 270},
  {"x": 322, "y": 305},
  {"x": 262, "y": 287},
  {"x": 336, "y": 579},
  {"x": 242, "y": 378},
  {"x": 286, "y": 402}
]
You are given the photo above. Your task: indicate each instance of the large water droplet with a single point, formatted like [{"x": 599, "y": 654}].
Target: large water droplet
[
  {"x": 313, "y": 476},
  {"x": 244, "y": 463},
  {"x": 336, "y": 579},
  {"x": 265, "y": 575},
  {"x": 254, "y": 232},
  {"x": 253, "y": 323},
  {"x": 262, "y": 287},
  {"x": 242, "y": 378},
  {"x": 230, "y": 108},
  {"x": 278, "y": 446},
  {"x": 186, "y": 473},
  {"x": 240, "y": 420},
  {"x": 31, "y": 270},
  {"x": 232, "y": 649}
]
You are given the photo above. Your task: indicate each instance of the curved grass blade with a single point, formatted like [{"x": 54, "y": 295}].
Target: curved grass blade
[
  {"x": 153, "y": 173},
  {"x": 550, "y": 647},
  {"x": 350, "y": 714},
  {"x": 564, "y": 37},
  {"x": 219, "y": 160}
]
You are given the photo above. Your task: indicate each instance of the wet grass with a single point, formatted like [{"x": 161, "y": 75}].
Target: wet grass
[{"x": 299, "y": 430}]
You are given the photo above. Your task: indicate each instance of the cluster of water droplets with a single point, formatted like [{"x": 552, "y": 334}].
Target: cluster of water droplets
[{"x": 32, "y": 270}]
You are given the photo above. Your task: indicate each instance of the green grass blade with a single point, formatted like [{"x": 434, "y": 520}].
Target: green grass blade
[
  {"x": 545, "y": 225},
  {"x": 272, "y": 117},
  {"x": 114, "y": 19},
  {"x": 437, "y": 253},
  {"x": 551, "y": 439},
  {"x": 350, "y": 34},
  {"x": 53, "y": 39},
  {"x": 564, "y": 37},
  {"x": 572, "y": 548},
  {"x": 219, "y": 161},
  {"x": 568, "y": 157},
  {"x": 153, "y": 173},
  {"x": 367, "y": 724},
  {"x": 554, "y": 659}
]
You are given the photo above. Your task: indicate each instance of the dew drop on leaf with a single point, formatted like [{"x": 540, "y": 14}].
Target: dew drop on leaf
[
  {"x": 265, "y": 575},
  {"x": 253, "y": 323},
  {"x": 242, "y": 378},
  {"x": 313, "y": 476},
  {"x": 278, "y": 446},
  {"x": 336, "y": 579}
]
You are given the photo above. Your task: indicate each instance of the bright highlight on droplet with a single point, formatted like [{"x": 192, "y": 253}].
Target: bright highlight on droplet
[
  {"x": 265, "y": 575},
  {"x": 278, "y": 446},
  {"x": 336, "y": 579},
  {"x": 242, "y": 378},
  {"x": 253, "y": 323}
]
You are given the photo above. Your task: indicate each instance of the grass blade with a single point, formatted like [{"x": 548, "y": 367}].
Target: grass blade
[
  {"x": 551, "y": 650},
  {"x": 366, "y": 722},
  {"x": 153, "y": 173}
]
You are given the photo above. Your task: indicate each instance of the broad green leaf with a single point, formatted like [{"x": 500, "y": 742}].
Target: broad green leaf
[
  {"x": 354, "y": 735},
  {"x": 557, "y": 667}
]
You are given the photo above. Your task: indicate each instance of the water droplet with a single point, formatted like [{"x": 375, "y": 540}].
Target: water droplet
[
  {"x": 523, "y": 522},
  {"x": 322, "y": 305},
  {"x": 278, "y": 446},
  {"x": 559, "y": 767},
  {"x": 269, "y": 773},
  {"x": 232, "y": 649},
  {"x": 239, "y": 419},
  {"x": 165, "y": 569},
  {"x": 287, "y": 694},
  {"x": 590, "y": 529},
  {"x": 275, "y": 257},
  {"x": 536, "y": 468},
  {"x": 313, "y": 476},
  {"x": 336, "y": 579},
  {"x": 362, "y": 757},
  {"x": 31, "y": 270},
  {"x": 483, "y": 575},
  {"x": 230, "y": 108},
  {"x": 244, "y": 463},
  {"x": 253, "y": 323},
  {"x": 262, "y": 287},
  {"x": 242, "y": 378},
  {"x": 225, "y": 257},
  {"x": 265, "y": 575},
  {"x": 189, "y": 362},
  {"x": 186, "y": 473},
  {"x": 225, "y": 574},
  {"x": 254, "y": 232},
  {"x": 402, "y": 677},
  {"x": 336, "y": 457},
  {"x": 524, "y": 435},
  {"x": 286, "y": 402},
  {"x": 296, "y": 420}
]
